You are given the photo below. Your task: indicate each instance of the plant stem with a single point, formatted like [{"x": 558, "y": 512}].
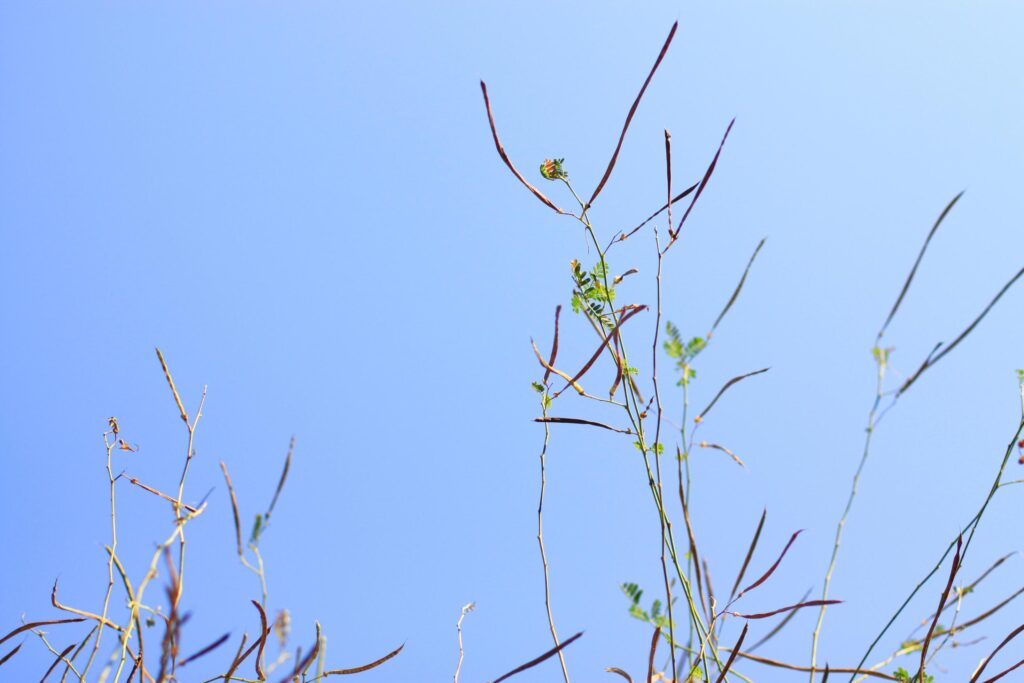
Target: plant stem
[
  {"x": 870, "y": 430},
  {"x": 540, "y": 543}
]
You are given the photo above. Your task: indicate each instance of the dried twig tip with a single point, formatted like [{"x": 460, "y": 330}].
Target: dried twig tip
[{"x": 170, "y": 383}]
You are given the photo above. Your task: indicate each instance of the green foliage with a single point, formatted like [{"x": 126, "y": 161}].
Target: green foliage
[
  {"x": 658, "y": 448},
  {"x": 591, "y": 293},
  {"x": 632, "y": 591},
  {"x": 683, "y": 353},
  {"x": 654, "y": 616},
  {"x": 904, "y": 676}
]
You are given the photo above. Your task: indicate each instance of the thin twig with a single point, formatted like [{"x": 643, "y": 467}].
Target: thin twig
[
  {"x": 466, "y": 609},
  {"x": 544, "y": 402},
  {"x": 663, "y": 521}
]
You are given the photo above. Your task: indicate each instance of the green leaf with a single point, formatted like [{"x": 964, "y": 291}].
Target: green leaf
[
  {"x": 538, "y": 387},
  {"x": 637, "y": 613},
  {"x": 632, "y": 591},
  {"x": 695, "y": 346}
]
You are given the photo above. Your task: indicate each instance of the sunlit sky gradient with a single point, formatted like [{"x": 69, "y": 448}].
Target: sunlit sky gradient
[{"x": 300, "y": 203}]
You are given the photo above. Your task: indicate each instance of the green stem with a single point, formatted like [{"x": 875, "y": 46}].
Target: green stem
[{"x": 870, "y": 430}]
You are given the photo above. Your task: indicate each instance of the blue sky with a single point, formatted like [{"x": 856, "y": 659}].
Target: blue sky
[{"x": 301, "y": 205}]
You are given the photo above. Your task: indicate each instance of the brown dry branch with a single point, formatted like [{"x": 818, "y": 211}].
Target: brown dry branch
[
  {"x": 732, "y": 656},
  {"x": 508, "y": 162},
  {"x": 615, "y": 331},
  {"x": 136, "y": 482},
  {"x": 771, "y": 570},
  {"x": 629, "y": 118},
  {"x": 674, "y": 235},
  {"x": 953, "y": 569},
  {"x": 280, "y": 482},
  {"x": 581, "y": 421},
  {"x": 693, "y": 543},
  {"x": 730, "y": 383},
  {"x": 205, "y": 651},
  {"x": 623, "y": 236},
  {"x": 261, "y": 643},
  {"x": 984, "y": 663},
  {"x": 36, "y": 624},
  {"x": 534, "y": 662},
  {"x": 788, "y": 608},
  {"x": 736, "y": 292},
  {"x": 620, "y": 672},
  {"x": 366, "y": 667},
  {"x": 88, "y": 615},
  {"x": 795, "y": 667},
  {"x": 934, "y": 357},
  {"x": 781, "y": 625},
  {"x": 749, "y": 555},
  {"x": 714, "y": 446},
  {"x": 917, "y": 263},
  {"x": 60, "y": 658}
]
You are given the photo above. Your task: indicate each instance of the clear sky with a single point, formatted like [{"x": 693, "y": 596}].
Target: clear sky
[{"x": 300, "y": 203}]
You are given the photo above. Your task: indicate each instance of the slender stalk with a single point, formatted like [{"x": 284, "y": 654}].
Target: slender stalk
[
  {"x": 61, "y": 656},
  {"x": 683, "y": 467},
  {"x": 458, "y": 627},
  {"x": 540, "y": 543},
  {"x": 870, "y": 431},
  {"x": 190, "y": 451},
  {"x": 109, "y": 443},
  {"x": 151, "y": 573},
  {"x": 635, "y": 414},
  {"x": 261, "y": 572},
  {"x": 657, "y": 400}
]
